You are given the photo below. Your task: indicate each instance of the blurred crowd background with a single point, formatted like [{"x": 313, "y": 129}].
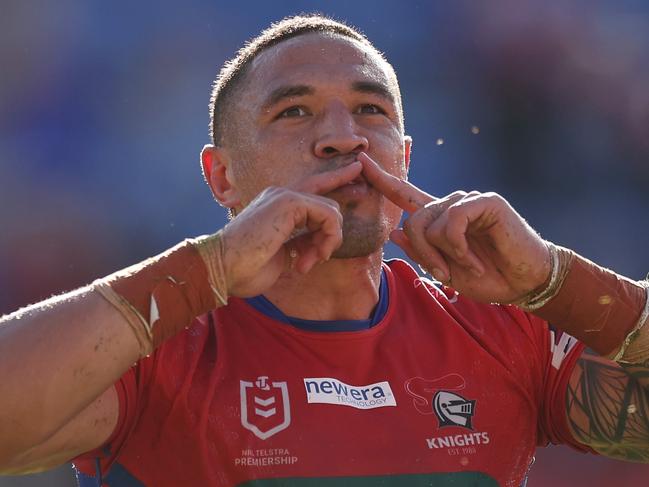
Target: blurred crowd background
[{"x": 103, "y": 111}]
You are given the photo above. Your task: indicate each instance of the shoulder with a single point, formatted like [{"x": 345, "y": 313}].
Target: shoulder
[
  {"x": 407, "y": 281},
  {"x": 506, "y": 324},
  {"x": 405, "y": 278}
]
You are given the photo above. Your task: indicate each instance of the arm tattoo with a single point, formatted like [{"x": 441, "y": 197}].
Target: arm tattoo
[{"x": 608, "y": 407}]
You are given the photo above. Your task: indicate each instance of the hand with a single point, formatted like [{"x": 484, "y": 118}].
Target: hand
[
  {"x": 474, "y": 242},
  {"x": 282, "y": 229}
]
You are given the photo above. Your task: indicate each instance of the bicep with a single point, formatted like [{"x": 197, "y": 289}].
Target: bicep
[
  {"x": 607, "y": 409},
  {"x": 87, "y": 431}
]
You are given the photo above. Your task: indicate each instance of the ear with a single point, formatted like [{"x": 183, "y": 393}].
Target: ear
[
  {"x": 216, "y": 171},
  {"x": 407, "y": 150}
]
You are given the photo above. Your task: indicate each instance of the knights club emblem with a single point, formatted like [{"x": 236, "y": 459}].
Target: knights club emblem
[
  {"x": 440, "y": 396},
  {"x": 265, "y": 408}
]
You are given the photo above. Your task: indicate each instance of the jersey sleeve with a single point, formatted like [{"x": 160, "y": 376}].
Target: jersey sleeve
[
  {"x": 130, "y": 391},
  {"x": 140, "y": 389},
  {"x": 559, "y": 353}
]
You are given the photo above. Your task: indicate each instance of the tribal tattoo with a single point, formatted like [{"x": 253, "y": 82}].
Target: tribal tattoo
[{"x": 608, "y": 407}]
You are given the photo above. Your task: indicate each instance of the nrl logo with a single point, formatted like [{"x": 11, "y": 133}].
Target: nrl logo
[{"x": 265, "y": 408}]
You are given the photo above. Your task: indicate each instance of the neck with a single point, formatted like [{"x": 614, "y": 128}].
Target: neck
[{"x": 340, "y": 289}]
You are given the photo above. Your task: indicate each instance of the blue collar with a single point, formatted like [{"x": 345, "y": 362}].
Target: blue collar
[{"x": 263, "y": 305}]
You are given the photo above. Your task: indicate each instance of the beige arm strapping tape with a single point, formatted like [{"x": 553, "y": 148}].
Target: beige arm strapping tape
[
  {"x": 635, "y": 348},
  {"x": 135, "y": 320},
  {"x": 162, "y": 295}
]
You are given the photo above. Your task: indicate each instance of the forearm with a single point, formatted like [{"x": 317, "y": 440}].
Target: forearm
[
  {"x": 56, "y": 357},
  {"x": 599, "y": 307},
  {"x": 606, "y": 402}
]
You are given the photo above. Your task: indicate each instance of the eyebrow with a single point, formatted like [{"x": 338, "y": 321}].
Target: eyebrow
[
  {"x": 287, "y": 91},
  {"x": 373, "y": 88},
  {"x": 290, "y": 91}
]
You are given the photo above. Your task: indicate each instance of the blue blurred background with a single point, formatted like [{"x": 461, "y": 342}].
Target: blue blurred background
[{"x": 103, "y": 111}]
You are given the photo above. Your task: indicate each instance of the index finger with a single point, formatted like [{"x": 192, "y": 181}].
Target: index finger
[
  {"x": 325, "y": 182},
  {"x": 405, "y": 195}
]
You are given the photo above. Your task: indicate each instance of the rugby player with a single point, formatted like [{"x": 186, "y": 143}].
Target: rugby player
[{"x": 282, "y": 350}]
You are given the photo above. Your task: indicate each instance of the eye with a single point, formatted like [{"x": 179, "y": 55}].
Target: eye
[
  {"x": 370, "y": 109},
  {"x": 292, "y": 112}
]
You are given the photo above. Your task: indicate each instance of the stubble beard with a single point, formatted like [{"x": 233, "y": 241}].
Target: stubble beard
[{"x": 361, "y": 236}]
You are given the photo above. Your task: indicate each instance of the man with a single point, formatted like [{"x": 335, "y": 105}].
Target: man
[{"x": 281, "y": 350}]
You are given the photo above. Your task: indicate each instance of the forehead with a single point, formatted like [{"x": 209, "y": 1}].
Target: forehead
[{"x": 319, "y": 59}]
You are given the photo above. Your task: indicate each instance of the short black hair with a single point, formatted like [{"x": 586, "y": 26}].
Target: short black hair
[{"x": 234, "y": 71}]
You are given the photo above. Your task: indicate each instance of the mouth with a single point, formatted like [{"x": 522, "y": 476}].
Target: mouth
[
  {"x": 360, "y": 179},
  {"x": 357, "y": 188}
]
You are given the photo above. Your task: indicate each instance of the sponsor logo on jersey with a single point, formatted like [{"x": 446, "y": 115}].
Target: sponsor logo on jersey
[
  {"x": 440, "y": 397},
  {"x": 326, "y": 390},
  {"x": 265, "y": 407}
]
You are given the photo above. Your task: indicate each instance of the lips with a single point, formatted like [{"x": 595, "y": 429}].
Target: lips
[
  {"x": 358, "y": 180},
  {"x": 358, "y": 187}
]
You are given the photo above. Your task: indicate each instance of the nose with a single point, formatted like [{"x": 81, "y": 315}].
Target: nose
[{"x": 338, "y": 133}]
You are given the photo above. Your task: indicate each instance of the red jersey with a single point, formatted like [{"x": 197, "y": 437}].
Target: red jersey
[{"x": 441, "y": 391}]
